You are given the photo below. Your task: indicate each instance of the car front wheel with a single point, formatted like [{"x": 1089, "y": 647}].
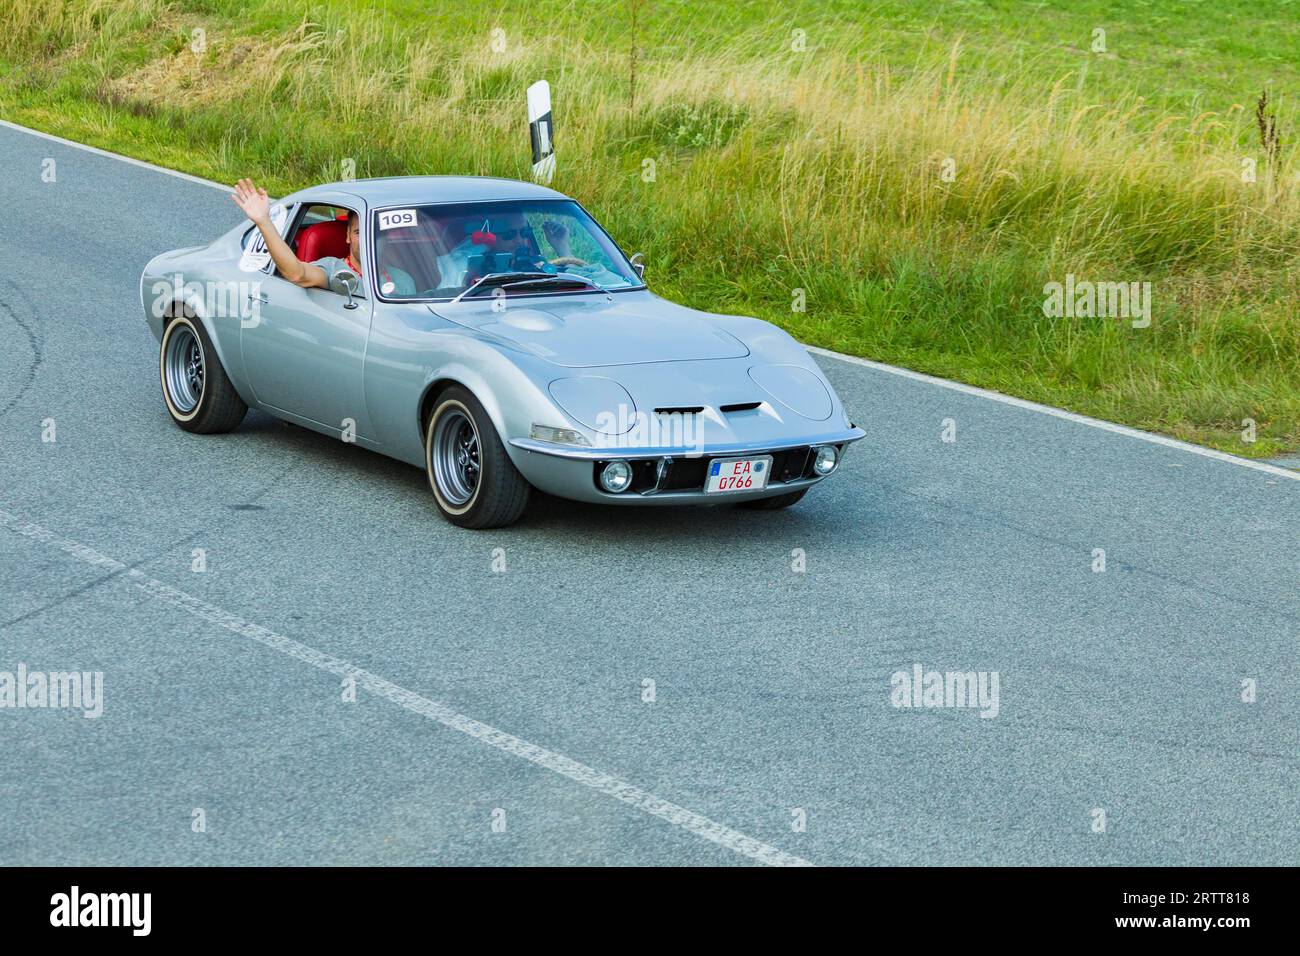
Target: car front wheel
[
  {"x": 473, "y": 480},
  {"x": 199, "y": 395}
]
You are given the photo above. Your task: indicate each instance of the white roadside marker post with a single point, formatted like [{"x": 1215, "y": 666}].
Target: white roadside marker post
[{"x": 539, "y": 131}]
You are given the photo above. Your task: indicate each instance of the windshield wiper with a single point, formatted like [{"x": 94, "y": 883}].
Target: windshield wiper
[
  {"x": 512, "y": 280},
  {"x": 568, "y": 278},
  {"x": 500, "y": 278}
]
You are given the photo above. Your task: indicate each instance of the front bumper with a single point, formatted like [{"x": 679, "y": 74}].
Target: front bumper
[{"x": 668, "y": 475}]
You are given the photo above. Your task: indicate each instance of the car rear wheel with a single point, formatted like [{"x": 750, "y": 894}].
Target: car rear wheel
[
  {"x": 199, "y": 395},
  {"x": 776, "y": 501},
  {"x": 473, "y": 480}
]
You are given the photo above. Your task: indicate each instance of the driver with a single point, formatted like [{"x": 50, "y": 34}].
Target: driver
[
  {"x": 514, "y": 236},
  {"x": 254, "y": 203},
  {"x": 517, "y": 236}
]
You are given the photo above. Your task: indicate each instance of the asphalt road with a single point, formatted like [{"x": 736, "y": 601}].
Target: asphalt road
[{"x": 523, "y": 691}]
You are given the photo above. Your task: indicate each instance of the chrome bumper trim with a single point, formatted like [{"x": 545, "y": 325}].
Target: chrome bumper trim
[{"x": 580, "y": 453}]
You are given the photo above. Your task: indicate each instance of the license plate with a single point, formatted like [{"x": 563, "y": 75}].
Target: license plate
[{"x": 738, "y": 474}]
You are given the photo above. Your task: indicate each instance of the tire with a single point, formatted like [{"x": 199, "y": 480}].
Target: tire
[
  {"x": 195, "y": 387},
  {"x": 776, "y": 501},
  {"x": 472, "y": 478}
]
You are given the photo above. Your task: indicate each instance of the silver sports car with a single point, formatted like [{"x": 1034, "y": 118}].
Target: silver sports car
[{"x": 495, "y": 335}]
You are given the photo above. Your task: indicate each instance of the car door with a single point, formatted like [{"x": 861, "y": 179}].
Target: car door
[{"x": 306, "y": 351}]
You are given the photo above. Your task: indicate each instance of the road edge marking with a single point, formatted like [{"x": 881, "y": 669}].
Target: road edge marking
[
  {"x": 1061, "y": 413},
  {"x": 143, "y": 164},
  {"x": 688, "y": 820},
  {"x": 815, "y": 349}
]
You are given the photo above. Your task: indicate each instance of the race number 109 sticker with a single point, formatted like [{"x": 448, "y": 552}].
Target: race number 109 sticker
[{"x": 396, "y": 218}]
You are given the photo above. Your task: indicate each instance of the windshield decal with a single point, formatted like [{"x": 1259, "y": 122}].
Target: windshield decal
[{"x": 397, "y": 218}]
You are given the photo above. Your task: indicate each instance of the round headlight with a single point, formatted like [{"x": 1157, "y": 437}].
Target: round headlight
[
  {"x": 616, "y": 476},
  {"x": 826, "y": 460}
]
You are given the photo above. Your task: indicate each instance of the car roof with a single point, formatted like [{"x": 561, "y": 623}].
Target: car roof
[{"x": 422, "y": 190}]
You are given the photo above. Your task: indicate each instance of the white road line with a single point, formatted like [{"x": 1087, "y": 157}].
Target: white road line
[
  {"x": 1059, "y": 413},
  {"x": 118, "y": 156},
  {"x": 609, "y": 785},
  {"x": 852, "y": 359}
]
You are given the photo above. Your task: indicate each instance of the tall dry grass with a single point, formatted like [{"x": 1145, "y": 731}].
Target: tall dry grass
[{"x": 921, "y": 208}]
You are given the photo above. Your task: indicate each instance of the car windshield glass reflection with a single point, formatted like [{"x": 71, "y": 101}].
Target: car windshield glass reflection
[{"x": 445, "y": 251}]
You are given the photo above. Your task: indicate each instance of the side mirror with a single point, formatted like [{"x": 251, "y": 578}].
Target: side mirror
[
  {"x": 638, "y": 263},
  {"x": 348, "y": 279}
]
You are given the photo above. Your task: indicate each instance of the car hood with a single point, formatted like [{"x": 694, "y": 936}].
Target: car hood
[{"x": 589, "y": 331}]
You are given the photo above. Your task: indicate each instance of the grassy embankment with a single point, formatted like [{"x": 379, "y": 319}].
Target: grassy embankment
[{"x": 921, "y": 170}]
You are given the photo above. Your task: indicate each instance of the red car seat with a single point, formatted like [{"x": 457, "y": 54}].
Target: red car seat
[{"x": 323, "y": 239}]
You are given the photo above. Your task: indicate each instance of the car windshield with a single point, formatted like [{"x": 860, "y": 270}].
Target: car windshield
[{"x": 520, "y": 247}]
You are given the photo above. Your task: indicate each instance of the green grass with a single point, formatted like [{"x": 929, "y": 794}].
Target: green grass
[{"x": 821, "y": 170}]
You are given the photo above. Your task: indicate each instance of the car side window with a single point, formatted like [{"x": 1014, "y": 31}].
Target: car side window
[{"x": 320, "y": 236}]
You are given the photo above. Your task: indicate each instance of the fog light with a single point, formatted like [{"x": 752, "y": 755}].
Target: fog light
[
  {"x": 826, "y": 460},
  {"x": 616, "y": 476}
]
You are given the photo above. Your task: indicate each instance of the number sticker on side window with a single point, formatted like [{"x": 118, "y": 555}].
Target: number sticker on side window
[
  {"x": 396, "y": 218},
  {"x": 256, "y": 256}
]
